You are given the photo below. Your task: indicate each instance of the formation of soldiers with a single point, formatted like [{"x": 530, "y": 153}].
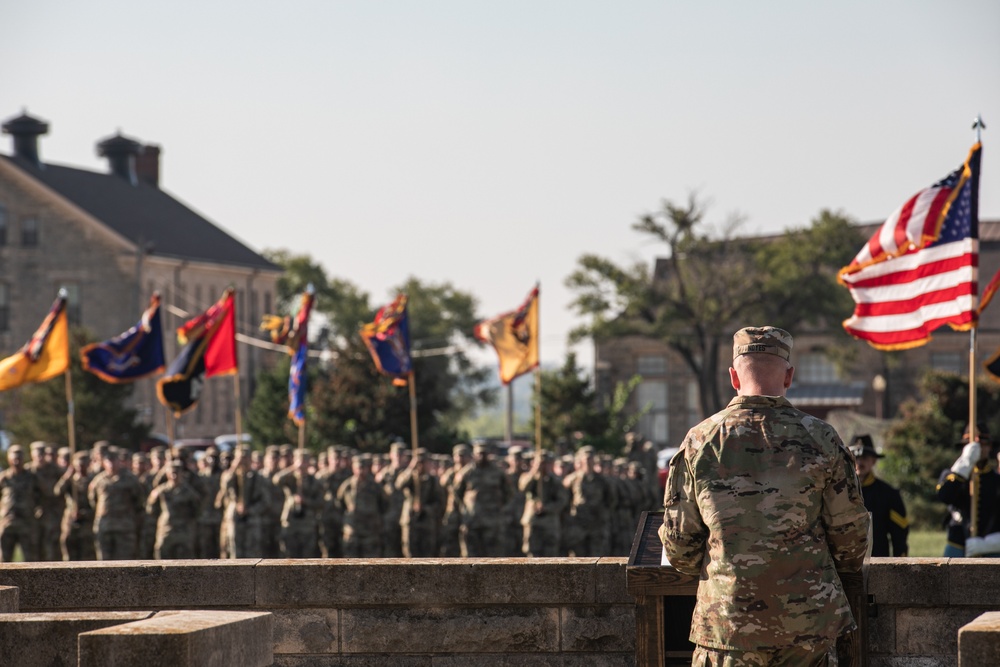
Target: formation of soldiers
[{"x": 110, "y": 504}]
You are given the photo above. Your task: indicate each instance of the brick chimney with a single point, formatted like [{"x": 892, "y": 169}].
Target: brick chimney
[
  {"x": 26, "y": 130},
  {"x": 121, "y": 153},
  {"x": 147, "y": 165}
]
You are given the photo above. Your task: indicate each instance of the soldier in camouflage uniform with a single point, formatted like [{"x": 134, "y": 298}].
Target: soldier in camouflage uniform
[
  {"x": 482, "y": 490},
  {"x": 300, "y": 514},
  {"x": 399, "y": 458},
  {"x": 764, "y": 506},
  {"x": 544, "y": 500},
  {"x": 422, "y": 503},
  {"x": 593, "y": 500},
  {"x": 52, "y": 506},
  {"x": 514, "y": 510},
  {"x": 364, "y": 503},
  {"x": 271, "y": 519},
  {"x": 450, "y": 522},
  {"x": 119, "y": 500},
  {"x": 207, "y": 538},
  {"x": 177, "y": 507},
  {"x": 332, "y": 514},
  {"x": 243, "y": 500},
  {"x": 77, "y": 537},
  {"x": 20, "y": 496}
]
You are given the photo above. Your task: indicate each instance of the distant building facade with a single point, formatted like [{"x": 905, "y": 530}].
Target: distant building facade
[
  {"x": 112, "y": 240},
  {"x": 874, "y": 385}
]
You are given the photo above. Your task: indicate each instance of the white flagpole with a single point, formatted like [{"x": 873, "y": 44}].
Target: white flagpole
[{"x": 978, "y": 126}]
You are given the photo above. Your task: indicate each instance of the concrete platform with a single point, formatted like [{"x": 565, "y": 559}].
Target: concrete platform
[
  {"x": 979, "y": 641},
  {"x": 50, "y": 639},
  {"x": 183, "y": 639}
]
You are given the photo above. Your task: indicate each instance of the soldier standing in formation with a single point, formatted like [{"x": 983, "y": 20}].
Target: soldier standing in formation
[
  {"x": 177, "y": 506},
  {"x": 77, "y": 536},
  {"x": 119, "y": 501},
  {"x": 452, "y": 519},
  {"x": 764, "y": 507},
  {"x": 20, "y": 495},
  {"x": 545, "y": 499},
  {"x": 422, "y": 504},
  {"x": 364, "y": 503},
  {"x": 299, "y": 516},
  {"x": 48, "y": 473},
  {"x": 482, "y": 490},
  {"x": 592, "y": 502},
  {"x": 244, "y": 500}
]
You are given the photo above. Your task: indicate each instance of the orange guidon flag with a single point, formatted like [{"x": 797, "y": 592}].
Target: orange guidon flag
[
  {"x": 43, "y": 357},
  {"x": 514, "y": 336}
]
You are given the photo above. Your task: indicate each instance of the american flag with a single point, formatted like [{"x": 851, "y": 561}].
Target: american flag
[{"x": 920, "y": 269}]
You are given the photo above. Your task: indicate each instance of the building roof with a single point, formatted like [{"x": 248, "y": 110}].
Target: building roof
[{"x": 145, "y": 215}]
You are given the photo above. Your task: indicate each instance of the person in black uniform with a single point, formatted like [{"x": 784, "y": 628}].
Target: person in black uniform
[
  {"x": 972, "y": 482},
  {"x": 883, "y": 501}
]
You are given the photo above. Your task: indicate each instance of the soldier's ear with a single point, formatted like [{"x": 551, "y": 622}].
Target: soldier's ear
[
  {"x": 734, "y": 378},
  {"x": 788, "y": 376}
]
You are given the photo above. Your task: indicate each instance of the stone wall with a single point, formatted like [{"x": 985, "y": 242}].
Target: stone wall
[{"x": 430, "y": 613}]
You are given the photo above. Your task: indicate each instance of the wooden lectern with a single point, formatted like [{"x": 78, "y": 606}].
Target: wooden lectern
[{"x": 664, "y": 602}]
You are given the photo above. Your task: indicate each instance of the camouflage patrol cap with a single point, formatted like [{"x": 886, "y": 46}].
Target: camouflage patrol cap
[
  {"x": 397, "y": 447},
  {"x": 15, "y": 449},
  {"x": 767, "y": 340},
  {"x": 285, "y": 450},
  {"x": 460, "y": 448},
  {"x": 81, "y": 456}
]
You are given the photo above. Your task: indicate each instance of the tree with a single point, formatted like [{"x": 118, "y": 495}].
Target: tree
[
  {"x": 708, "y": 285},
  {"x": 349, "y": 401},
  {"x": 101, "y": 412},
  {"x": 573, "y": 415}
]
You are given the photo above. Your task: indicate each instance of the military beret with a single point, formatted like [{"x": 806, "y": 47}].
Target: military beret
[{"x": 767, "y": 340}]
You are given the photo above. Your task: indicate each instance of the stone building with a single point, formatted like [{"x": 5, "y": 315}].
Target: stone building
[
  {"x": 112, "y": 239},
  {"x": 669, "y": 388}
]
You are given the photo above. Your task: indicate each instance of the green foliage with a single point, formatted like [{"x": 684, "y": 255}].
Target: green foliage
[
  {"x": 709, "y": 284},
  {"x": 38, "y": 411},
  {"x": 922, "y": 441},
  {"x": 573, "y": 416},
  {"x": 349, "y": 402}
]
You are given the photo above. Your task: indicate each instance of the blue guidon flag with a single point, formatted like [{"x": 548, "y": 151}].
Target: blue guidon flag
[
  {"x": 388, "y": 340},
  {"x": 132, "y": 355}
]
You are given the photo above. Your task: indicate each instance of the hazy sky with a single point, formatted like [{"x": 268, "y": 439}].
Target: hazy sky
[{"x": 490, "y": 144}]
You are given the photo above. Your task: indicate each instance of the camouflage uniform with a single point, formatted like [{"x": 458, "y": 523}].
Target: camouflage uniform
[
  {"x": 363, "y": 503},
  {"x": 483, "y": 491},
  {"x": 332, "y": 514},
  {"x": 299, "y": 517},
  {"x": 393, "y": 536},
  {"x": 544, "y": 500},
  {"x": 243, "y": 499},
  {"x": 271, "y": 519},
  {"x": 452, "y": 519},
  {"x": 419, "y": 520},
  {"x": 763, "y": 505},
  {"x": 178, "y": 506},
  {"x": 77, "y": 536},
  {"x": 20, "y": 495},
  {"x": 118, "y": 499},
  {"x": 593, "y": 499},
  {"x": 52, "y": 506},
  {"x": 208, "y": 538}
]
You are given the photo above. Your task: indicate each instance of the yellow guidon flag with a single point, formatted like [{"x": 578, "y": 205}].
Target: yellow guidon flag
[
  {"x": 514, "y": 336},
  {"x": 43, "y": 357}
]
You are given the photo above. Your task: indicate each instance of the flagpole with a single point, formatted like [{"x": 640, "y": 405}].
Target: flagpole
[
  {"x": 170, "y": 426},
  {"x": 978, "y": 126},
  {"x": 414, "y": 439},
  {"x": 508, "y": 422},
  {"x": 302, "y": 435},
  {"x": 239, "y": 409},
  {"x": 538, "y": 369},
  {"x": 70, "y": 418}
]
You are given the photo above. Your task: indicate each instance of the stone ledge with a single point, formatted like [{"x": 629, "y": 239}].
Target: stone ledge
[
  {"x": 8, "y": 599},
  {"x": 891, "y": 581},
  {"x": 979, "y": 641},
  {"x": 46, "y": 639},
  {"x": 183, "y": 639},
  {"x": 973, "y": 581},
  {"x": 447, "y": 581},
  {"x": 132, "y": 584}
]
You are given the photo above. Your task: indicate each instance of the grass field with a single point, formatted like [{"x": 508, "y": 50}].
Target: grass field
[{"x": 926, "y": 543}]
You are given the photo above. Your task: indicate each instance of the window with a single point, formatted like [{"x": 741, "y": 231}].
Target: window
[
  {"x": 815, "y": 368},
  {"x": 652, "y": 397},
  {"x": 74, "y": 313},
  {"x": 29, "y": 232},
  {"x": 3, "y": 225},
  {"x": 948, "y": 362},
  {"x": 267, "y": 304},
  {"x": 4, "y": 307},
  {"x": 693, "y": 405},
  {"x": 652, "y": 366},
  {"x": 198, "y": 305}
]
